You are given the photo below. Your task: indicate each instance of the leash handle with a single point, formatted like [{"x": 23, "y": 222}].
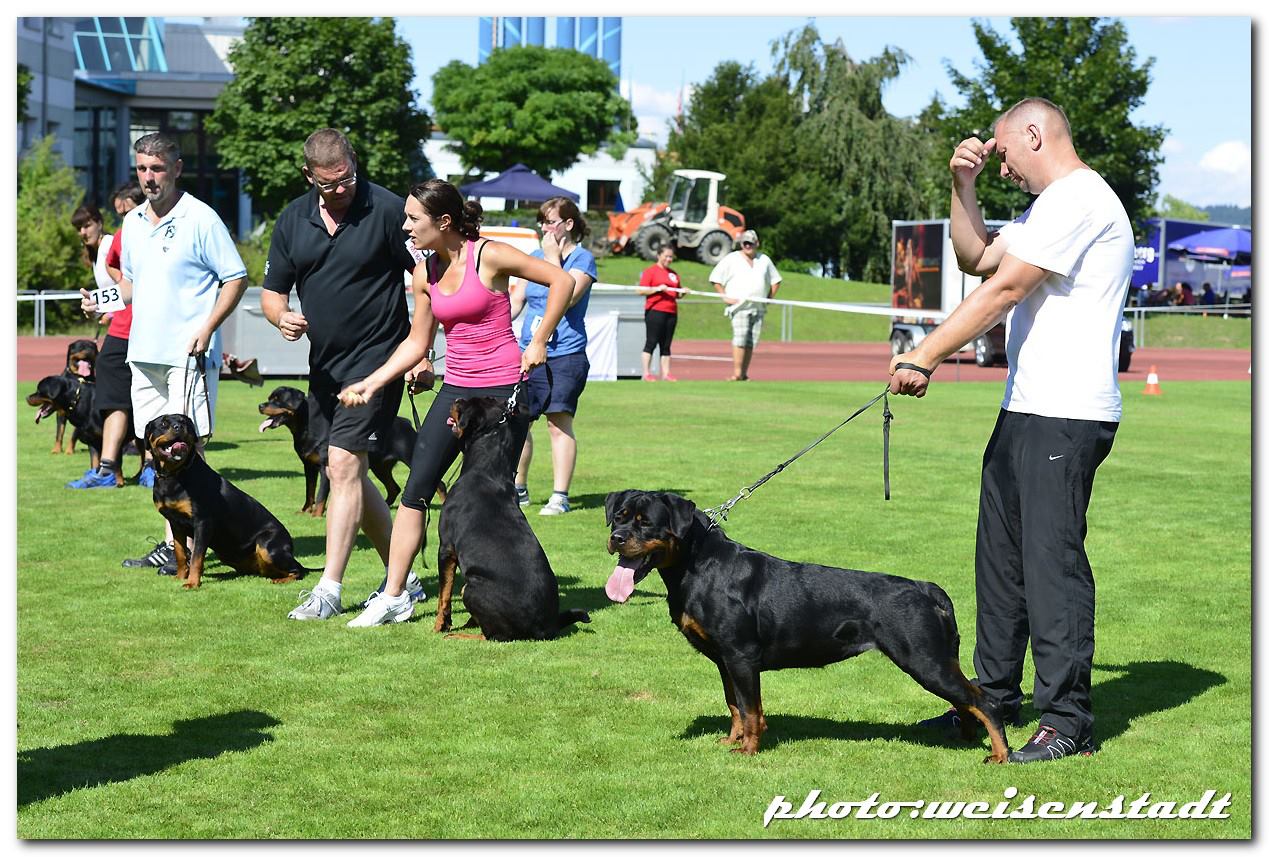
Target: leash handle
[{"x": 915, "y": 368}]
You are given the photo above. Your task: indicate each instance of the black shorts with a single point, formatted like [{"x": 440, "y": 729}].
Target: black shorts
[
  {"x": 568, "y": 379},
  {"x": 359, "y": 429},
  {"x": 114, "y": 376}
]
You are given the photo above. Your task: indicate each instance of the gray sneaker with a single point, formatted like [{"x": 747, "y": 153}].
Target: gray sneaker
[
  {"x": 384, "y": 610},
  {"x": 413, "y": 588},
  {"x": 557, "y": 505},
  {"x": 522, "y": 495},
  {"x": 316, "y": 605}
]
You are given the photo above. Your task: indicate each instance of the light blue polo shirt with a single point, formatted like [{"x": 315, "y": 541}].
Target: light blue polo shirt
[
  {"x": 570, "y": 333},
  {"x": 176, "y": 268}
]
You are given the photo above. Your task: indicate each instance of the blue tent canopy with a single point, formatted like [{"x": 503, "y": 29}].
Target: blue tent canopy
[
  {"x": 519, "y": 182},
  {"x": 1225, "y": 244}
]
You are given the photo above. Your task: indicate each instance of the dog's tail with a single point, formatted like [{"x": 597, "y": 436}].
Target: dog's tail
[{"x": 569, "y": 617}]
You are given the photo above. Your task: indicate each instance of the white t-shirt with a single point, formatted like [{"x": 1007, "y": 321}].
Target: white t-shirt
[
  {"x": 740, "y": 279},
  {"x": 176, "y": 268},
  {"x": 100, "y": 275},
  {"x": 1063, "y": 339}
]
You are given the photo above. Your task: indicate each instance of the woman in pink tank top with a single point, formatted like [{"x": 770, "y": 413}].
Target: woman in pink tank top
[{"x": 462, "y": 285}]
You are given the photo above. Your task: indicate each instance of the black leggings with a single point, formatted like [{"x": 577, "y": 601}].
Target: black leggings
[
  {"x": 660, "y": 327},
  {"x": 436, "y": 448}
]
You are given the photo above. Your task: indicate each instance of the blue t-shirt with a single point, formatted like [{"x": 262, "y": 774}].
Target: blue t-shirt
[{"x": 570, "y": 333}]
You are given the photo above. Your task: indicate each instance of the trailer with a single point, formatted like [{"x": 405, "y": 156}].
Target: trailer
[{"x": 926, "y": 280}]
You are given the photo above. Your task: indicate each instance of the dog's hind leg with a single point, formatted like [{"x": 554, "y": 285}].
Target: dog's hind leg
[
  {"x": 446, "y": 564},
  {"x": 945, "y": 679},
  {"x": 383, "y": 470}
]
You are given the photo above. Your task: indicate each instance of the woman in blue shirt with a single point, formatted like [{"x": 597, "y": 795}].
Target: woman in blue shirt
[{"x": 563, "y": 229}]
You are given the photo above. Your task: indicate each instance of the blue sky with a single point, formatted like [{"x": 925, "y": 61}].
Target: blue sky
[{"x": 1201, "y": 87}]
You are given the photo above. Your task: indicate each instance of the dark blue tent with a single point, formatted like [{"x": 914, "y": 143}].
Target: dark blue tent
[{"x": 519, "y": 182}]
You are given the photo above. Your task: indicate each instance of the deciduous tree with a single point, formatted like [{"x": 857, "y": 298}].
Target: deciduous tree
[
  {"x": 293, "y": 76},
  {"x": 541, "y": 107},
  {"x": 49, "y": 249}
]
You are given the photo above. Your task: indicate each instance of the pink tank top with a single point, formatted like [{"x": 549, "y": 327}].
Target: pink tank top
[{"x": 480, "y": 347}]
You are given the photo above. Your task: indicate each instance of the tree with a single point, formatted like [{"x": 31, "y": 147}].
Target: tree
[
  {"x": 293, "y": 76},
  {"x": 1178, "y": 209},
  {"x": 542, "y": 107},
  {"x": 25, "y": 77},
  {"x": 1087, "y": 67},
  {"x": 49, "y": 250}
]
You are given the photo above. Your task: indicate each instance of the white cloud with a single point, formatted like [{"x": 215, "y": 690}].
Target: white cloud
[
  {"x": 1232, "y": 157},
  {"x": 1172, "y": 146}
]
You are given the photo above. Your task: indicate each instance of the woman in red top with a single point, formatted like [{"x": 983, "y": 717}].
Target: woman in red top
[{"x": 660, "y": 312}]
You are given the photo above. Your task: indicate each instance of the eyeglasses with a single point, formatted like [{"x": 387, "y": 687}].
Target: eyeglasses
[
  {"x": 746, "y": 244},
  {"x": 327, "y": 188},
  {"x": 549, "y": 222}
]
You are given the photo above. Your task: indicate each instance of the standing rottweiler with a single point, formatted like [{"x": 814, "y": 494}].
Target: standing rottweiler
[
  {"x": 749, "y": 612},
  {"x": 81, "y": 362},
  {"x": 310, "y": 432},
  {"x": 508, "y": 585},
  {"x": 203, "y": 506},
  {"x": 71, "y": 398}
]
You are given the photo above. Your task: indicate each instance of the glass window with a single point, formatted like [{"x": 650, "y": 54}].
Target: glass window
[
  {"x": 90, "y": 52},
  {"x": 602, "y": 195},
  {"x": 110, "y": 25},
  {"x": 117, "y": 53}
]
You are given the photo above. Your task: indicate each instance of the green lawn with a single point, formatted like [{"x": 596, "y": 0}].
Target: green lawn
[{"x": 145, "y": 711}]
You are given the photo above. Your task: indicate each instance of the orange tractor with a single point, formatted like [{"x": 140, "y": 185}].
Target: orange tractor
[{"x": 693, "y": 221}]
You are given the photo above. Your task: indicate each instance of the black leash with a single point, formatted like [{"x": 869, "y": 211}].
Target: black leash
[
  {"x": 514, "y": 398},
  {"x": 719, "y": 513}
]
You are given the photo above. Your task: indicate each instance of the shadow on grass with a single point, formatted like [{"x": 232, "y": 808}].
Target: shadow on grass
[
  {"x": 242, "y": 474},
  {"x": 220, "y": 446},
  {"x": 1140, "y": 689},
  {"x": 54, "y": 771}
]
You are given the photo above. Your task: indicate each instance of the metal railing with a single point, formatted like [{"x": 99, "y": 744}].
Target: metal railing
[{"x": 40, "y": 297}]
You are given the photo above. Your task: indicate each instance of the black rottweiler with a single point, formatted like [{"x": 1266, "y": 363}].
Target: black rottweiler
[
  {"x": 201, "y": 504},
  {"x": 749, "y": 612},
  {"x": 508, "y": 586},
  {"x": 81, "y": 362},
  {"x": 71, "y": 398},
  {"x": 310, "y": 431}
]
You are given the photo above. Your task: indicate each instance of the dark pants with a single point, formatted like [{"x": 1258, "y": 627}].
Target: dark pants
[
  {"x": 436, "y": 448},
  {"x": 1033, "y": 580},
  {"x": 659, "y": 327}
]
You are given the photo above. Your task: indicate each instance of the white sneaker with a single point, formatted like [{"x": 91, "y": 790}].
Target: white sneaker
[
  {"x": 557, "y": 505},
  {"x": 383, "y": 610},
  {"x": 316, "y": 605},
  {"x": 413, "y": 588}
]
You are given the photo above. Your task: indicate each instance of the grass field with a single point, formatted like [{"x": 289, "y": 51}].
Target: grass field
[{"x": 145, "y": 711}]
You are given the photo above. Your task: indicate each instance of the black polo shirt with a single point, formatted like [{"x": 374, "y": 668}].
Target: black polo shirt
[{"x": 351, "y": 284}]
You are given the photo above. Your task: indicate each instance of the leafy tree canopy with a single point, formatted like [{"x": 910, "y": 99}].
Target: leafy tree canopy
[
  {"x": 542, "y": 107},
  {"x": 49, "y": 251},
  {"x": 25, "y": 77},
  {"x": 293, "y": 76},
  {"x": 1086, "y": 66},
  {"x": 1179, "y": 209}
]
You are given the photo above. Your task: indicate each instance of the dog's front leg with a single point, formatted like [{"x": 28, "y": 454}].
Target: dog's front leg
[
  {"x": 446, "y": 564},
  {"x": 59, "y": 435},
  {"x": 182, "y": 555},
  {"x": 729, "y": 691},
  {"x": 747, "y": 686},
  {"x": 198, "y": 553},
  {"x": 310, "y": 486}
]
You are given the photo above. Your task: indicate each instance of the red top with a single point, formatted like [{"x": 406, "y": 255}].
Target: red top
[
  {"x": 661, "y": 301},
  {"x": 120, "y": 322}
]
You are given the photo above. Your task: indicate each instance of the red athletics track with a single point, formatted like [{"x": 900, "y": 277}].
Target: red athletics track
[{"x": 710, "y": 360}]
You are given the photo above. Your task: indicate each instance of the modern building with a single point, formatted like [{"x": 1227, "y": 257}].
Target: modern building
[{"x": 101, "y": 83}]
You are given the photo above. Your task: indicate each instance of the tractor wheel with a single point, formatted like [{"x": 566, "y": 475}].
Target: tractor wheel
[
  {"x": 714, "y": 247},
  {"x": 649, "y": 240},
  {"x": 984, "y": 351}
]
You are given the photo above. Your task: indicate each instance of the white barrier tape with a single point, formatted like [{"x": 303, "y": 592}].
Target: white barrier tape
[{"x": 865, "y": 309}]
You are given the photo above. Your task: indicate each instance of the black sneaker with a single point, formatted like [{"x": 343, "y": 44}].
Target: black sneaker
[
  {"x": 1047, "y": 744},
  {"x": 162, "y": 555},
  {"x": 167, "y": 569},
  {"x": 950, "y": 722}
]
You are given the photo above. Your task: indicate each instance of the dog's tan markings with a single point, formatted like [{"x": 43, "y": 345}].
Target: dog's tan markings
[
  {"x": 753, "y": 724},
  {"x": 195, "y": 579},
  {"x": 453, "y": 418},
  {"x": 691, "y": 626},
  {"x": 999, "y": 745},
  {"x": 182, "y": 558},
  {"x": 737, "y": 725},
  {"x": 182, "y": 507},
  {"x": 445, "y": 573}
]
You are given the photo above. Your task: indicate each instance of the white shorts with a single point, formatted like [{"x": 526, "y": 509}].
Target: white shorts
[{"x": 159, "y": 389}]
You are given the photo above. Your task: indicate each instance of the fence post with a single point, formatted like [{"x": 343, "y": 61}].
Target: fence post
[{"x": 38, "y": 317}]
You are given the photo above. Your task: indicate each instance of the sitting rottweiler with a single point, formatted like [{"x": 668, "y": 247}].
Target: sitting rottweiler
[
  {"x": 201, "y": 504},
  {"x": 311, "y": 431},
  {"x": 81, "y": 362},
  {"x": 509, "y": 588},
  {"x": 71, "y": 398},
  {"x": 749, "y": 612}
]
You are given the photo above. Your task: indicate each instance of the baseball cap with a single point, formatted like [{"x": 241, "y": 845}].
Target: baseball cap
[{"x": 750, "y": 236}]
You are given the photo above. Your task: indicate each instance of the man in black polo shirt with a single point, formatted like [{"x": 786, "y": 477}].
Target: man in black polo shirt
[{"x": 343, "y": 248}]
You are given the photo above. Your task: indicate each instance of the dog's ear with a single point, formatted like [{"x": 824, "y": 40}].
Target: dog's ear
[
  {"x": 614, "y": 501},
  {"x": 682, "y": 513},
  {"x": 150, "y": 429}
]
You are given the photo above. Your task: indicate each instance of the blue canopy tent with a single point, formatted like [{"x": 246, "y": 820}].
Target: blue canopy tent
[
  {"x": 520, "y": 183},
  {"x": 1226, "y": 245}
]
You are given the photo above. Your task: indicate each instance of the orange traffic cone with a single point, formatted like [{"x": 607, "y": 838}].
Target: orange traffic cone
[{"x": 1152, "y": 384}]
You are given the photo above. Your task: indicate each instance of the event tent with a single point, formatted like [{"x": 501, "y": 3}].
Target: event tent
[{"x": 519, "y": 182}]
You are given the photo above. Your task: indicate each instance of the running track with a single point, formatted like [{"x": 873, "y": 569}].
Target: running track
[{"x": 709, "y": 360}]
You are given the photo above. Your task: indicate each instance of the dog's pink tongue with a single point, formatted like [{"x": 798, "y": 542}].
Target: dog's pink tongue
[
  {"x": 267, "y": 424},
  {"x": 620, "y": 585},
  {"x": 83, "y": 368}
]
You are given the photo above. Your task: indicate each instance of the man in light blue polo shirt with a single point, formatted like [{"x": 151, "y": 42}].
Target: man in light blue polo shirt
[{"x": 183, "y": 276}]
